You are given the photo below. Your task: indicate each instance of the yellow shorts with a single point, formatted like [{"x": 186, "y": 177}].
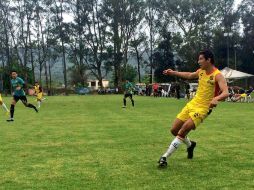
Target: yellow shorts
[
  {"x": 1, "y": 100},
  {"x": 196, "y": 113},
  {"x": 39, "y": 96},
  {"x": 243, "y": 95}
]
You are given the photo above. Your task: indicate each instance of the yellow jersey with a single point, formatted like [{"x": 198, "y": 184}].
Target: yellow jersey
[
  {"x": 37, "y": 89},
  {"x": 208, "y": 88}
]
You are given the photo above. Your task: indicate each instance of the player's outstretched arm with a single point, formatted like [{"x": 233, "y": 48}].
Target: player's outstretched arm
[{"x": 185, "y": 75}]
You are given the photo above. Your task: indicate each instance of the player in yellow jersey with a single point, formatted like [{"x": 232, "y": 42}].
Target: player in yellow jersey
[
  {"x": 38, "y": 93},
  {"x": 3, "y": 105},
  {"x": 212, "y": 87}
]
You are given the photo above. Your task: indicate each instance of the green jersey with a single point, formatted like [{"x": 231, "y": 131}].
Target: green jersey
[
  {"x": 18, "y": 82},
  {"x": 128, "y": 88}
]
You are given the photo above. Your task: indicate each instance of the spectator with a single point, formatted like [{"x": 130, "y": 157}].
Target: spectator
[
  {"x": 155, "y": 89},
  {"x": 177, "y": 89},
  {"x": 187, "y": 90}
]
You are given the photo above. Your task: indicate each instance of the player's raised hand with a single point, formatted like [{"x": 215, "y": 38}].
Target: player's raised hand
[{"x": 168, "y": 72}]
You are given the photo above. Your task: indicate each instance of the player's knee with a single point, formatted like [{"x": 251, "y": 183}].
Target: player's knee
[
  {"x": 173, "y": 131},
  {"x": 12, "y": 107},
  {"x": 185, "y": 130},
  {"x": 181, "y": 135}
]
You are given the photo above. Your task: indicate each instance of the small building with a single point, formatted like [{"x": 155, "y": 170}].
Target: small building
[{"x": 95, "y": 84}]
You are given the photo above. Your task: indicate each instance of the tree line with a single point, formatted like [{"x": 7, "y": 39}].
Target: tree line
[{"x": 102, "y": 35}]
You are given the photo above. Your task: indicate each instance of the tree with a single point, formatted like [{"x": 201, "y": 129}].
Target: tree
[
  {"x": 8, "y": 17},
  {"x": 130, "y": 73},
  {"x": 29, "y": 10},
  {"x": 152, "y": 7},
  {"x": 247, "y": 52},
  {"x": 124, "y": 17},
  {"x": 196, "y": 19},
  {"x": 163, "y": 57},
  {"x": 77, "y": 77},
  {"x": 226, "y": 33},
  {"x": 112, "y": 10},
  {"x": 77, "y": 43},
  {"x": 60, "y": 29},
  {"x": 139, "y": 47},
  {"x": 91, "y": 46}
]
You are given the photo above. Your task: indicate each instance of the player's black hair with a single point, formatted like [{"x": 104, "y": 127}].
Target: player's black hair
[
  {"x": 14, "y": 71},
  {"x": 207, "y": 54}
]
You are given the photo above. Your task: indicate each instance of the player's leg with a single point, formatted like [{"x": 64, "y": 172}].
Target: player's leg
[
  {"x": 180, "y": 137},
  {"x": 12, "y": 108},
  {"x": 197, "y": 115},
  {"x": 177, "y": 125},
  {"x": 180, "y": 121},
  {"x": 3, "y": 105},
  {"x": 39, "y": 100},
  {"x": 188, "y": 95},
  {"x": 124, "y": 100},
  {"x": 190, "y": 125},
  {"x": 132, "y": 101},
  {"x": 38, "y": 103},
  {"x": 243, "y": 97},
  {"x": 24, "y": 101}
]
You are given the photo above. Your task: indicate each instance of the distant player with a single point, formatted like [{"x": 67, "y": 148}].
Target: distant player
[
  {"x": 242, "y": 95},
  {"x": 211, "y": 82},
  {"x": 39, "y": 93},
  {"x": 3, "y": 105},
  {"x": 18, "y": 86},
  {"x": 187, "y": 90},
  {"x": 128, "y": 91}
]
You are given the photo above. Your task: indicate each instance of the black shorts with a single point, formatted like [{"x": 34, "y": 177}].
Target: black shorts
[
  {"x": 128, "y": 95},
  {"x": 22, "y": 98}
]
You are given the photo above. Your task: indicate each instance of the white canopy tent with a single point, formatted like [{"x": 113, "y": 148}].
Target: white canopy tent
[{"x": 231, "y": 74}]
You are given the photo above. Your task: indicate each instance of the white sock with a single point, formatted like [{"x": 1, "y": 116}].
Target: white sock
[
  {"x": 187, "y": 142},
  {"x": 5, "y": 108},
  {"x": 172, "y": 147},
  {"x": 39, "y": 104}
]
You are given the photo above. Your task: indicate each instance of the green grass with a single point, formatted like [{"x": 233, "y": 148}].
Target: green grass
[{"x": 90, "y": 142}]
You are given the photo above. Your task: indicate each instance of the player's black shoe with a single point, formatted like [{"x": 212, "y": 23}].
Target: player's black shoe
[
  {"x": 162, "y": 162},
  {"x": 36, "y": 109},
  {"x": 191, "y": 149},
  {"x": 10, "y": 120}
]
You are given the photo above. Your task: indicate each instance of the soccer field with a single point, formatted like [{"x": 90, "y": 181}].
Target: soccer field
[{"x": 90, "y": 142}]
